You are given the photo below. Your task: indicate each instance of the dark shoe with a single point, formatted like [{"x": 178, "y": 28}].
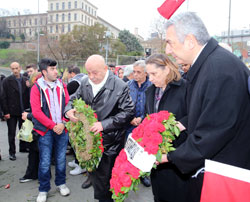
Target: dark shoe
[
  {"x": 23, "y": 180},
  {"x": 12, "y": 157},
  {"x": 87, "y": 183},
  {"x": 146, "y": 181}
]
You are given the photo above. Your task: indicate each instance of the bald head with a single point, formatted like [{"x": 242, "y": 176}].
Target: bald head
[
  {"x": 16, "y": 69},
  {"x": 96, "y": 68}
]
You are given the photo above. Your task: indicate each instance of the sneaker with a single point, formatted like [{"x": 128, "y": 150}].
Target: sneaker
[
  {"x": 72, "y": 164},
  {"x": 42, "y": 197},
  {"x": 12, "y": 157},
  {"x": 77, "y": 171},
  {"x": 63, "y": 189},
  {"x": 23, "y": 180}
]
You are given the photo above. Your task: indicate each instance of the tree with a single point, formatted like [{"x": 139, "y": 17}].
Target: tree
[
  {"x": 22, "y": 36},
  {"x": 130, "y": 41}
]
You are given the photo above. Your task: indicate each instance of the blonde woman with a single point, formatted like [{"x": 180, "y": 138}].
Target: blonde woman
[{"x": 167, "y": 93}]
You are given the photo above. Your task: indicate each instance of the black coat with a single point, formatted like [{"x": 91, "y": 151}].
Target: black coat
[
  {"x": 11, "y": 96},
  {"x": 168, "y": 183},
  {"x": 114, "y": 108},
  {"x": 218, "y": 106}
]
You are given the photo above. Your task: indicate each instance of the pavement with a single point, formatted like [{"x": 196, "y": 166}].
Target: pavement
[{"x": 11, "y": 171}]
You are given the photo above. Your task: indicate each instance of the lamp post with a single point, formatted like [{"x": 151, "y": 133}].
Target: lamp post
[
  {"x": 229, "y": 23},
  {"x": 38, "y": 36},
  {"x": 107, "y": 34}
]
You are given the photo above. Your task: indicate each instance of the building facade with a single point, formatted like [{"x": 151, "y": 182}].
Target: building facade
[{"x": 61, "y": 17}]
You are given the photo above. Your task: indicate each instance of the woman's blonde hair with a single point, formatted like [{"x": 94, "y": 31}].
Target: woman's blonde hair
[{"x": 162, "y": 61}]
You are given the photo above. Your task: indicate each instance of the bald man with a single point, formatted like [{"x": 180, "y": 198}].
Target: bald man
[
  {"x": 109, "y": 97},
  {"x": 15, "y": 99}
]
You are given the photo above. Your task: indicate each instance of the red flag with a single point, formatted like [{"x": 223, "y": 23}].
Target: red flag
[
  {"x": 225, "y": 183},
  {"x": 168, "y": 8}
]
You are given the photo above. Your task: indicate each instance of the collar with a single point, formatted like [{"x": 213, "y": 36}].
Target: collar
[
  {"x": 199, "y": 53},
  {"x": 201, "y": 57},
  {"x": 44, "y": 85}
]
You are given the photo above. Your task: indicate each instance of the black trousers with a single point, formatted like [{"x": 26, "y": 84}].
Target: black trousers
[
  {"x": 12, "y": 123},
  {"x": 33, "y": 161}
]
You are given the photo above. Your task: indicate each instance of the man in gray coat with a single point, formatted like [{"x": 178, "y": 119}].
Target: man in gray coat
[
  {"x": 109, "y": 97},
  {"x": 218, "y": 101}
]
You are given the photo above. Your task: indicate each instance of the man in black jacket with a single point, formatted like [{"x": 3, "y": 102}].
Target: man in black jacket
[
  {"x": 218, "y": 102},
  {"x": 15, "y": 99},
  {"x": 109, "y": 97}
]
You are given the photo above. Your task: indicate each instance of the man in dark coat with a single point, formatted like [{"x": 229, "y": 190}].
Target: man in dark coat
[
  {"x": 15, "y": 99},
  {"x": 218, "y": 101},
  {"x": 109, "y": 97}
]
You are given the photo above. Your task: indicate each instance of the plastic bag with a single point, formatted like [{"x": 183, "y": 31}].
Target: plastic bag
[{"x": 25, "y": 132}]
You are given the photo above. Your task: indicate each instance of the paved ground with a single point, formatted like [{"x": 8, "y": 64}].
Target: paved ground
[{"x": 11, "y": 171}]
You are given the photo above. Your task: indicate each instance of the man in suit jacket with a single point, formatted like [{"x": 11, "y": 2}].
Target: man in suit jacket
[
  {"x": 218, "y": 101},
  {"x": 15, "y": 99}
]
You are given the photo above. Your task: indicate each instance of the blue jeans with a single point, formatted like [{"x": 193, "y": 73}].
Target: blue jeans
[{"x": 47, "y": 143}]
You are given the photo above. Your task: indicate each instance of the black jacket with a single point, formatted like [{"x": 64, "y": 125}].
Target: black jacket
[
  {"x": 114, "y": 108},
  {"x": 168, "y": 184},
  {"x": 11, "y": 96},
  {"x": 218, "y": 106}
]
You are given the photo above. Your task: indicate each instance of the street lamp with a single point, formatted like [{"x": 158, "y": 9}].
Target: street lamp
[
  {"x": 38, "y": 36},
  {"x": 107, "y": 34}
]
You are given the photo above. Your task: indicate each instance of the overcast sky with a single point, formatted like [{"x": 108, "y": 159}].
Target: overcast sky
[{"x": 128, "y": 14}]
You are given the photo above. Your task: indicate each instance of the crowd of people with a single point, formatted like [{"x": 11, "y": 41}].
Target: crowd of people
[{"x": 210, "y": 98}]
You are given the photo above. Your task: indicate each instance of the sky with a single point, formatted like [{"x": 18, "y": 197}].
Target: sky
[{"x": 141, "y": 14}]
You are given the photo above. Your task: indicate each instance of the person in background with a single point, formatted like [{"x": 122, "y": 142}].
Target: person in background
[
  {"x": 2, "y": 77},
  {"x": 33, "y": 157},
  {"x": 112, "y": 68},
  {"x": 137, "y": 88},
  {"x": 185, "y": 68},
  {"x": 128, "y": 73},
  {"x": 74, "y": 78},
  {"x": 109, "y": 97},
  {"x": 48, "y": 98},
  {"x": 120, "y": 73},
  {"x": 30, "y": 70},
  {"x": 168, "y": 93},
  {"x": 218, "y": 102},
  {"x": 15, "y": 99}
]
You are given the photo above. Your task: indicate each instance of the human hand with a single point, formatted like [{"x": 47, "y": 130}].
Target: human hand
[
  {"x": 24, "y": 115},
  {"x": 58, "y": 128},
  {"x": 133, "y": 122},
  {"x": 164, "y": 159},
  {"x": 96, "y": 128},
  {"x": 7, "y": 116},
  {"x": 180, "y": 126},
  {"x": 71, "y": 115}
]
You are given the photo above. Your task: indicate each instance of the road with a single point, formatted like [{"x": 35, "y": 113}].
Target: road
[{"x": 11, "y": 171}]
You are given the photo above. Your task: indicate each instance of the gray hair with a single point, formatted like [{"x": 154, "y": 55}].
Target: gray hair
[
  {"x": 189, "y": 23},
  {"x": 140, "y": 63}
]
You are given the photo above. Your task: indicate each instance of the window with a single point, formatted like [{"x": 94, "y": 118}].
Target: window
[
  {"x": 75, "y": 16},
  {"x": 69, "y": 17},
  {"x": 56, "y": 28},
  {"x": 41, "y": 21},
  {"x": 9, "y": 23},
  {"x": 86, "y": 7},
  {"x": 57, "y": 6},
  {"x": 82, "y": 6},
  {"x": 35, "y": 21},
  {"x": 62, "y": 28},
  {"x": 69, "y": 28},
  {"x": 63, "y": 5},
  {"x": 51, "y": 18},
  {"x": 51, "y": 6},
  {"x": 69, "y": 5},
  {"x": 51, "y": 29},
  {"x": 63, "y": 17},
  {"x": 14, "y": 23},
  {"x": 88, "y": 21},
  {"x": 75, "y": 4},
  {"x": 82, "y": 18},
  {"x": 89, "y": 9},
  {"x": 85, "y": 19},
  {"x": 57, "y": 17},
  {"x": 30, "y": 22},
  {"x": 30, "y": 32}
]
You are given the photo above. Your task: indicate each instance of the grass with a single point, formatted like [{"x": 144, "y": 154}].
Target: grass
[{"x": 4, "y": 52}]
